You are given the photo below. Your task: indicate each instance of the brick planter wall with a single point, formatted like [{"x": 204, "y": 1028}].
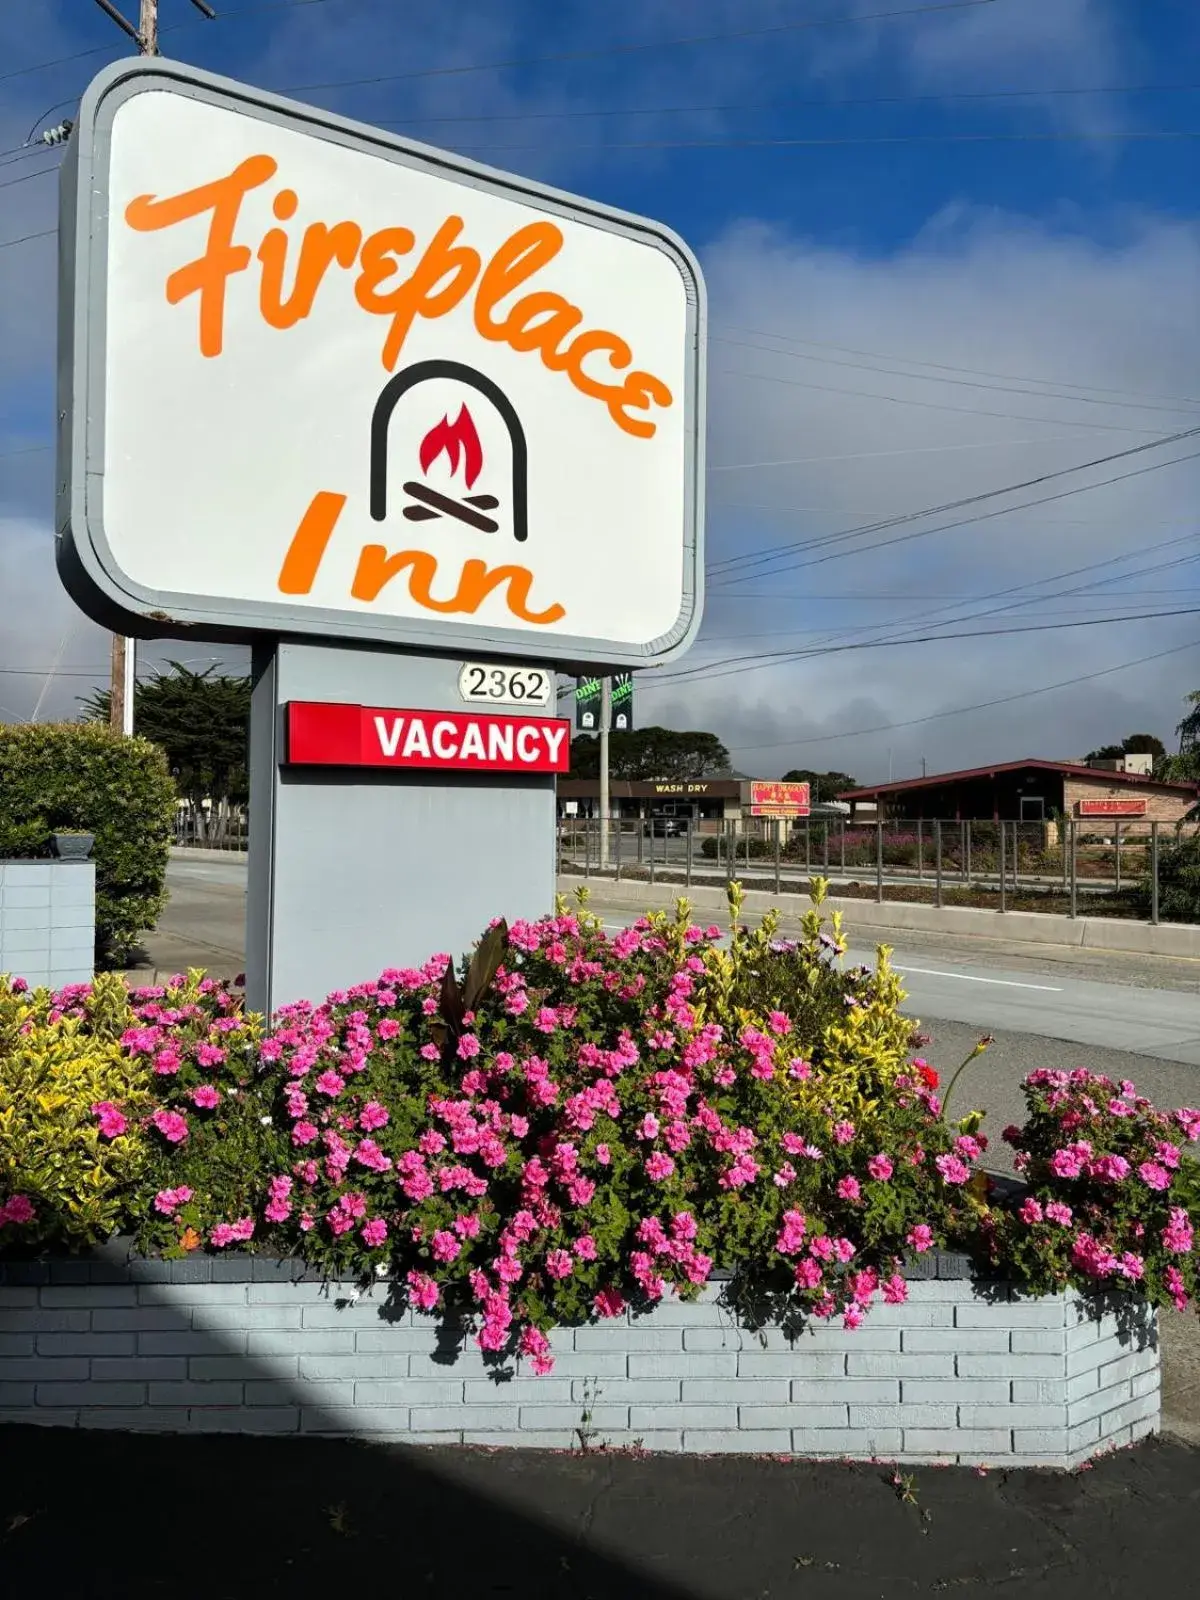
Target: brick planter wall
[
  {"x": 243, "y": 1345},
  {"x": 48, "y": 921}
]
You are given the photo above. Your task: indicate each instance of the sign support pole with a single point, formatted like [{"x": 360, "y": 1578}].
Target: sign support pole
[{"x": 605, "y": 727}]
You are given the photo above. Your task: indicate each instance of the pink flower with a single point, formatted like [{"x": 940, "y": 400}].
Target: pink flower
[
  {"x": 18, "y": 1208},
  {"x": 921, "y": 1238},
  {"x": 791, "y": 1235},
  {"x": 171, "y": 1125},
  {"x": 375, "y": 1232},
  {"x": 1177, "y": 1235},
  {"x": 468, "y": 1047},
  {"x": 168, "y": 1201},
  {"x": 167, "y": 1062},
  {"x": 304, "y": 1133},
  {"x": 445, "y": 1246},
  {"x": 880, "y": 1167},
  {"x": 1109, "y": 1169},
  {"x": 649, "y": 1126},
  {"x": 1069, "y": 1161},
  {"x": 1154, "y": 1176},
  {"x": 559, "y": 1263},
  {"x": 1031, "y": 1210},
  {"x": 953, "y": 1169},
  {"x": 422, "y": 1290},
  {"x": 608, "y": 1303},
  {"x": 1057, "y": 1212},
  {"x": 849, "y": 1189},
  {"x": 330, "y": 1084},
  {"x": 779, "y": 1022},
  {"x": 232, "y": 1232},
  {"x": 1176, "y": 1287},
  {"x": 659, "y": 1166},
  {"x": 852, "y": 1316},
  {"x": 206, "y": 1097},
  {"x": 209, "y": 1055},
  {"x": 895, "y": 1290},
  {"x": 785, "y": 1176},
  {"x": 112, "y": 1120},
  {"x": 585, "y": 1247},
  {"x": 843, "y": 1132},
  {"x": 808, "y": 1274},
  {"x": 373, "y": 1116},
  {"x": 603, "y": 1154}
]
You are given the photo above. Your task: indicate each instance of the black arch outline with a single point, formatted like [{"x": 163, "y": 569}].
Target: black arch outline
[{"x": 420, "y": 372}]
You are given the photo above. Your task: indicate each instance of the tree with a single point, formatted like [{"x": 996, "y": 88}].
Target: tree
[
  {"x": 1145, "y": 744},
  {"x": 201, "y": 722},
  {"x": 824, "y": 785},
  {"x": 651, "y": 754},
  {"x": 1185, "y": 767}
]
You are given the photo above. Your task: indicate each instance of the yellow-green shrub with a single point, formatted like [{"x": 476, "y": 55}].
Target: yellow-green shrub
[{"x": 53, "y": 1070}]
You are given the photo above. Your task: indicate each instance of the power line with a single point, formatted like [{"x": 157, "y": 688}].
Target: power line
[
  {"x": 882, "y": 139},
  {"x": 7, "y": 244},
  {"x": 722, "y": 568},
  {"x": 104, "y": 49},
  {"x": 982, "y": 705},
  {"x": 24, "y": 450},
  {"x": 733, "y": 666},
  {"x": 983, "y": 516},
  {"x": 961, "y": 383},
  {"x": 27, "y": 176},
  {"x": 942, "y": 366},
  {"x": 927, "y": 405},
  {"x": 795, "y": 105}
]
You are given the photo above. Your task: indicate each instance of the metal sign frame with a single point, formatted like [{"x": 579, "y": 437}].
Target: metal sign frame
[{"x": 87, "y": 564}]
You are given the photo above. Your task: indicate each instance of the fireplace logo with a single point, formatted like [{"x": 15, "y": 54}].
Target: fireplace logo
[
  {"x": 455, "y": 443},
  {"x": 463, "y": 461}
]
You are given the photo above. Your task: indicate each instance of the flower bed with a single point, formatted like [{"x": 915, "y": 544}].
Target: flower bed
[{"x": 572, "y": 1129}]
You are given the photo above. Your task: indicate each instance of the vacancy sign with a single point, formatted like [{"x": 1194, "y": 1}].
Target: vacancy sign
[
  {"x": 324, "y": 735},
  {"x": 321, "y": 380}
]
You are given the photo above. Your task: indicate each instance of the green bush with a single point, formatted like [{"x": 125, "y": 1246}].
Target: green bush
[
  {"x": 725, "y": 848},
  {"x": 72, "y": 1099},
  {"x": 84, "y": 776},
  {"x": 1178, "y": 880}
]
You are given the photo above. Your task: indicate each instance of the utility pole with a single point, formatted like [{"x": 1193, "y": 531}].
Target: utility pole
[
  {"x": 605, "y": 726},
  {"x": 124, "y": 651}
]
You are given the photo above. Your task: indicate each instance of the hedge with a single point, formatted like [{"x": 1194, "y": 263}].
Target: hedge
[{"x": 83, "y": 775}]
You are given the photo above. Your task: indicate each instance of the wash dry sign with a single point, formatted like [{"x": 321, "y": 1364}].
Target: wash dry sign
[
  {"x": 324, "y": 381},
  {"x": 326, "y": 735}
]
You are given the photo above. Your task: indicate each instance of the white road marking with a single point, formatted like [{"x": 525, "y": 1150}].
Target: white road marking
[
  {"x": 924, "y": 972},
  {"x": 970, "y": 977}
]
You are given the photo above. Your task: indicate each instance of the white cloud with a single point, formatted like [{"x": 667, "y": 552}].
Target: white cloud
[{"x": 976, "y": 291}]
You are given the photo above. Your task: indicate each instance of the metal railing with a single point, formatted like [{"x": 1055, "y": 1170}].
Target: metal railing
[
  {"x": 214, "y": 827},
  {"x": 1069, "y": 866}
]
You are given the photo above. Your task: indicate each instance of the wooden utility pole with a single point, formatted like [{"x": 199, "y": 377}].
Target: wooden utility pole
[{"x": 124, "y": 651}]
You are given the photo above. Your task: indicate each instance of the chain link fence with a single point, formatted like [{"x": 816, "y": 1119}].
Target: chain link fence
[{"x": 1143, "y": 870}]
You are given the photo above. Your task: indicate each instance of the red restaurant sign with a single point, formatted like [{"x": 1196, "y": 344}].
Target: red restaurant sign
[
  {"x": 324, "y": 735},
  {"x": 1112, "y": 808},
  {"x": 779, "y": 799}
]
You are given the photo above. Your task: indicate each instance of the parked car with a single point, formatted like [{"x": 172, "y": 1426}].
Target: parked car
[{"x": 666, "y": 827}]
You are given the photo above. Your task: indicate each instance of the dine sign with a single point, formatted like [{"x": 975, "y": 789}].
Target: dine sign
[{"x": 321, "y": 380}]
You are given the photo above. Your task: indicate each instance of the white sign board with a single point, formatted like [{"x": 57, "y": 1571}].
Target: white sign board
[{"x": 320, "y": 380}]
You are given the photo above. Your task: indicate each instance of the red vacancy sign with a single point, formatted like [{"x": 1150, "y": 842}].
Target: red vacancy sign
[
  {"x": 779, "y": 799},
  {"x": 325, "y": 735},
  {"x": 1112, "y": 808}
]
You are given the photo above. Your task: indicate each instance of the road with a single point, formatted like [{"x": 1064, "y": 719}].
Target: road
[{"x": 1126, "y": 1015}]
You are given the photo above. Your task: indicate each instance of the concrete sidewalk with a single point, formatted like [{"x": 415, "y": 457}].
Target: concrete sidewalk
[{"x": 221, "y": 1518}]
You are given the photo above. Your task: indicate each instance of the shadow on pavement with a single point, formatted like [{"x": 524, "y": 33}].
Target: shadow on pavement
[{"x": 130, "y": 1515}]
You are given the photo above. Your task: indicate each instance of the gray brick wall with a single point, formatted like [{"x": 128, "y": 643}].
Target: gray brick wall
[
  {"x": 953, "y": 1376},
  {"x": 48, "y": 921}
]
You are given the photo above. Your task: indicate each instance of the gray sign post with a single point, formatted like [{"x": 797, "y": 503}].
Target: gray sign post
[{"x": 422, "y": 434}]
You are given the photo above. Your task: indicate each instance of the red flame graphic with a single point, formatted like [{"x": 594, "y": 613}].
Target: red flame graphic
[{"x": 459, "y": 441}]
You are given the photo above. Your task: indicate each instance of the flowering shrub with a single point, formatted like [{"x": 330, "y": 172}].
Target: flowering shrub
[
  {"x": 71, "y": 1101},
  {"x": 578, "y": 1122},
  {"x": 1113, "y": 1197}
]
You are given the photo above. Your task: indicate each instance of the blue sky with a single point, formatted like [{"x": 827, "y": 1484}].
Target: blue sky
[{"x": 993, "y": 268}]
